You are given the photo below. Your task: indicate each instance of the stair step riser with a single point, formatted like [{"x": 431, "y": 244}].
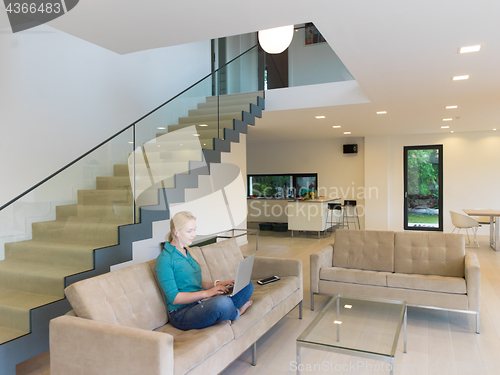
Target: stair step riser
[
  {"x": 210, "y": 125},
  {"x": 27, "y": 283},
  {"x": 103, "y": 197},
  {"x": 63, "y": 212},
  {"x": 120, "y": 170},
  {"x": 113, "y": 183},
  {"x": 204, "y": 119},
  {"x": 98, "y": 234},
  {"x": 221, "y": 110},
  {"x": 226, "y": 103},
  {"x": 14, "y": 318},
  {"x": 50, "y": 256},
  {"x": 246, "y": 97}
]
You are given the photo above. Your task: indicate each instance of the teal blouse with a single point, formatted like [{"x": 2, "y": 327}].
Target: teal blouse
[{"x": 177, "y": 273}]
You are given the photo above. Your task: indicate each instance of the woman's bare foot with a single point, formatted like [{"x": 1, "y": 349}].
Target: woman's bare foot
[{"x": 245, "y": 307}]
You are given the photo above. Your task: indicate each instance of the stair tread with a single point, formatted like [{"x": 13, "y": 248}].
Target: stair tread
[
  {"x": 7, "y": 334},
  {"x": 70, "y": 246},
  {"x": 24, "y": 300},
  {"x": 36, "y": 269}
]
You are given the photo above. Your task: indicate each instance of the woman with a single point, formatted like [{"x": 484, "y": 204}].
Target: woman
[{"x": 192, "y": 303}]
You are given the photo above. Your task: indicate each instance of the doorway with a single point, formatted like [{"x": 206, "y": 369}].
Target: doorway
[{"x": 423, "y": 187}]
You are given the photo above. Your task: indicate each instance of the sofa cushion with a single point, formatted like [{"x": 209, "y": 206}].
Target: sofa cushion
[
  {"x": 262, "y": 304},
  {"x": 265, "y": 298},
  {"x": 432, "y": 283},
  {"x": 364, "y": 250},
  {"x": 194, "y": 346},
  {"x": 220, "y": 260},
  {"x": 129, "y": 297},
  {"x": 428, "y": 253},
  {"x": 347, "y": 275}
]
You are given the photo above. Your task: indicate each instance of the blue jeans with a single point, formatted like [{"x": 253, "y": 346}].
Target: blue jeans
[{"x": 202, "y": 314}]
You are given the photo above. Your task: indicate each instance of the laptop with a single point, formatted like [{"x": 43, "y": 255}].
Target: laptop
[{"x": 243, "y": 274}]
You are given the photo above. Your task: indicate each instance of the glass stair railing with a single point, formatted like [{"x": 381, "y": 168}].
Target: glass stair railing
[{"x": 52, "y": 231}]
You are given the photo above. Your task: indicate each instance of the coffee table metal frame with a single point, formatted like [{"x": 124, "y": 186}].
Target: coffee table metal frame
[{"x": 350, "y": 351}]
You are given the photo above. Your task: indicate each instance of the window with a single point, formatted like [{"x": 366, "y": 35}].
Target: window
[
  {"x": 281, "y": 186},
  {"x": 423, "y": 187}
]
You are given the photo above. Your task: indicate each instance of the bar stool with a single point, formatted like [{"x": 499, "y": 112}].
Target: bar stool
[
  {"x": 350, "y": 212},
  {"x": 335, "y": 209}
]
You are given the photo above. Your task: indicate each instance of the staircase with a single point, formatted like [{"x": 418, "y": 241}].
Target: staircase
[{"x": 86, "y": 238}]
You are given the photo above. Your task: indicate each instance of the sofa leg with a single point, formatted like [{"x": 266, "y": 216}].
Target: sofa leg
[
  {"x": 300, "y": 310},
  {"x": 312, "y": 301},
  {"x": 254, "y": 354},
  {"x": 477, "y": 322}
]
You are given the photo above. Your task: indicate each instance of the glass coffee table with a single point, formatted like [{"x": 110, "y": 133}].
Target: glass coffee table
[{"x": 361, "y": 326}]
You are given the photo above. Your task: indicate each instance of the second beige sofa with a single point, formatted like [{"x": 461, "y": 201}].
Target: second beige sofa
[{"x": 426, "y": 269}]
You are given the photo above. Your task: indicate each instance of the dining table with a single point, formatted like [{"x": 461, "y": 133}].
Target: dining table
[{"x": 494, "y": 228}]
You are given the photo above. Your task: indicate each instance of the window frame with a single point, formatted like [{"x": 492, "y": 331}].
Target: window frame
[{"x": 440, "y": 189}]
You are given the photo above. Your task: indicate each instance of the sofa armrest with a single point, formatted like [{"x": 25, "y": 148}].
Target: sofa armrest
[
  {"x": 473, "y": 281},
  {"x": 266, "y": 266},
  {"x": 319, "y": 259},
  {"x": 84, "y": 346}
]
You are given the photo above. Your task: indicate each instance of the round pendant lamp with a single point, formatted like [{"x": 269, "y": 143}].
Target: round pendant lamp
[{"x": 276, "y": 40}]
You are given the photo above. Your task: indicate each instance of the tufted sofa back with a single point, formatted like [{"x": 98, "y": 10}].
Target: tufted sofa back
[
  {"x": 129, "y": 297},
  {"x": 364, "y": 250},
  {"x": 430, "y": 253},
  {"x": 219, "y": 261}
]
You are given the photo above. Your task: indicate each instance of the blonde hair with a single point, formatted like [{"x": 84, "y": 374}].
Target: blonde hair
[{"x": 178, "y": 221}]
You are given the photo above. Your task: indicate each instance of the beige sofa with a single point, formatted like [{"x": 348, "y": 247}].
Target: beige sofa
[
  {"x": 119, "y": 323},
  {"x": 426, "y": 269}
]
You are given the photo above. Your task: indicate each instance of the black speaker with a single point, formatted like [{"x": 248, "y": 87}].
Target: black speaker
[{"x": 351, "y": 149}]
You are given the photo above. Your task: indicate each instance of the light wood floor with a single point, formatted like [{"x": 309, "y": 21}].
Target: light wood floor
[{"x": 439, "y": 342}]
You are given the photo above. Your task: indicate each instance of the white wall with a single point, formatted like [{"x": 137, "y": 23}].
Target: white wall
[
  {"x": 60, "y": 96},
  {"x": 339, "y": 174},
  {"x": 314, "y": 63},
  {"x": 471, "y": 175}
]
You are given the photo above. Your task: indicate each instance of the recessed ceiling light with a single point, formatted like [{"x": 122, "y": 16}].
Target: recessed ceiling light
[
  {"x": 131, "y": 142},
  {"x": 494, "y": 129},
  {"x": 336, "y": 126},
  {"x": 447, "y": 119},
  {"x": 347, "y": 132},
  {"x": 337, "y": 322},
  {"x": 451, "y": 106},
  {"x": 460, "y": 78},
  {"x": 320, "y": 116},
  {"x": 196, "y": 135},
  {"x": 203, "y": 125},
  {"x": 470, "y": 49},
  {"x": 161, "y": 128},
  {"x": 381, "y": 112},
  {"x": 445, "y": 127},
  {"x": 452, "y": 131},
  {"x": 348, "y": 306}
]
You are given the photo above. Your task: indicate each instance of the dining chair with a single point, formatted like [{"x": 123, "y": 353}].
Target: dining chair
[{"x": 464, "y": 222}]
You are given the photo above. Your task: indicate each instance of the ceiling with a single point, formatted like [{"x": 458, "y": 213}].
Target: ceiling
[{"x": 403, "y": 55}]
